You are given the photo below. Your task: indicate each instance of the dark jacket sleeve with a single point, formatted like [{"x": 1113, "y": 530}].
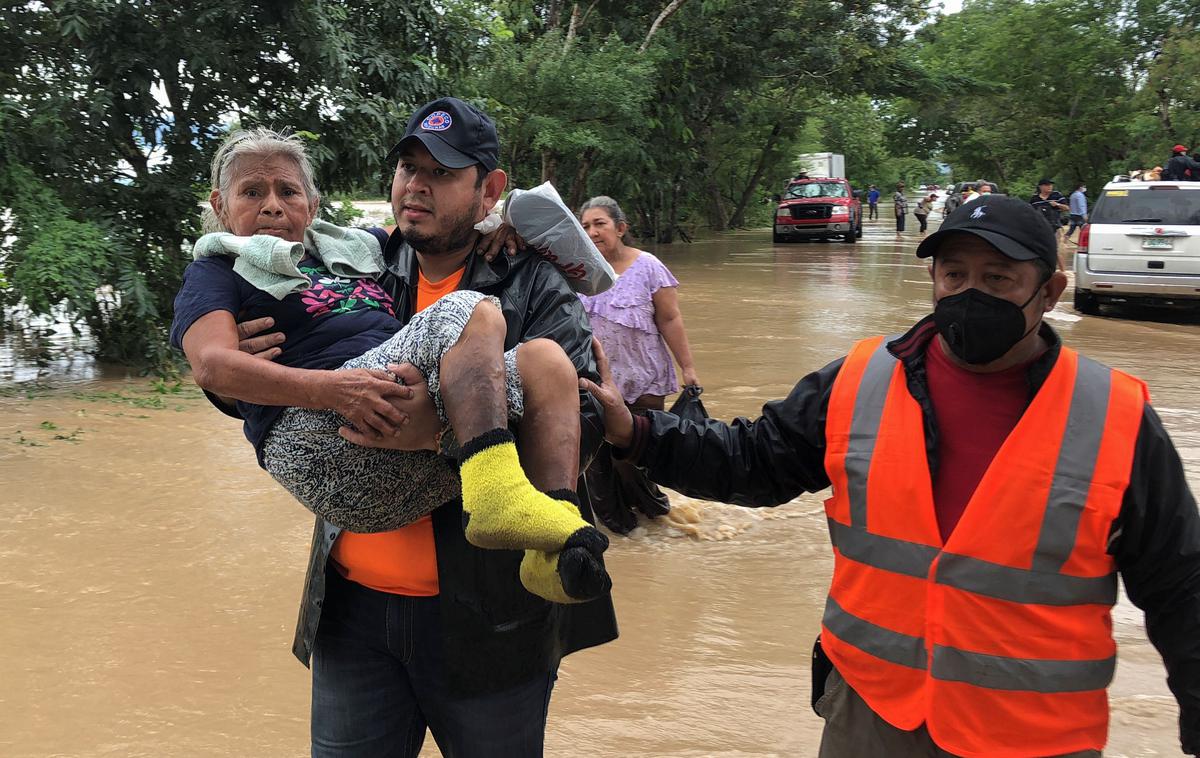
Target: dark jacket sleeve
[
  {"x": 763, "y": 462},
  {"x": 555, "y": 312},
  {"x": 1156, "y": 544}
]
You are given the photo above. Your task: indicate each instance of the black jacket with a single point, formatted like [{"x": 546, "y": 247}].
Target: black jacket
[
  {"x": 496, "y": 634},
  {"x": 1155, "y": 540},
  {"x": 1177, "y": 165}
]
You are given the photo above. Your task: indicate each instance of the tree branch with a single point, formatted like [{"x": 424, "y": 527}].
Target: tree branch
[
  {"x": 571, "y": 28},
  {"x": 666, "y": 13}
]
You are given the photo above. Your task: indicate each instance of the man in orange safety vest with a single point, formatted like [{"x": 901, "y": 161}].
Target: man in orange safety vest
[{"x": 988, "y": 485}]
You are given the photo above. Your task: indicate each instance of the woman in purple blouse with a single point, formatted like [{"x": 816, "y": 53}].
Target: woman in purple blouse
[{"x": 636, "y": 321}]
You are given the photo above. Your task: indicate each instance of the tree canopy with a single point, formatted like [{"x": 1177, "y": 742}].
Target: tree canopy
[{"x": 691, "y": 113}]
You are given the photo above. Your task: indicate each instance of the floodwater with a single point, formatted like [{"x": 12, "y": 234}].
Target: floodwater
[{"x": 150, "y": 572}]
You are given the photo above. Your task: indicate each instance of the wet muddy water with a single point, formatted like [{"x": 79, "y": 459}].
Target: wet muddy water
[{"x": 150, "y": 572}]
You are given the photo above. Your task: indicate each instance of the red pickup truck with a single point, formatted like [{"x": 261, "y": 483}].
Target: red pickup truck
[{"x": 818, "y": 208}]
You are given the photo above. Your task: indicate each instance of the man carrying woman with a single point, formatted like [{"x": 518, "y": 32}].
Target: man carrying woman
[{"x": 427, "y": 624}]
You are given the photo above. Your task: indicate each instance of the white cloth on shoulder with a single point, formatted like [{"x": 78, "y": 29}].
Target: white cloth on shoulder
[{"x": 273, "y": 265}]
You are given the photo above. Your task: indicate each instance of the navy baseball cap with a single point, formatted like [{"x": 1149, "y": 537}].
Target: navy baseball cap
[
  {"x": 456, "y": 134},
  {"x": 1012, "y": 226}
]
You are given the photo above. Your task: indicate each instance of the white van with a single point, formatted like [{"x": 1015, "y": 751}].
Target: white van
[{"x": 1141, "y": 246}]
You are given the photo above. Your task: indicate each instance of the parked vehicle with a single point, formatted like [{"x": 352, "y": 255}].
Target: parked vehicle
[
  {"x": 812, "y": 208},
  {"x": 1141, "y": 246}
]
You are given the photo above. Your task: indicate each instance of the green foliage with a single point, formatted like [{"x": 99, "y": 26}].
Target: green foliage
[
  {"x": 1078, "y": 92},
  {"x": 342, "y": 214},
  {"x": 110, "y": 111},
  {"x": 695, "y": 123}
]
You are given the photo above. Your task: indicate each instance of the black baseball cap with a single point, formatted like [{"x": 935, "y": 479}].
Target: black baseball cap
[
  {"x": 1012, "y": 226},
  {"x": 457, "y": 134},
  {"x": 1046, "y": 181}
]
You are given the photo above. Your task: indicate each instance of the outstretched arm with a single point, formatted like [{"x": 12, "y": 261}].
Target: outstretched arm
[{"x": 763, "y": 462}]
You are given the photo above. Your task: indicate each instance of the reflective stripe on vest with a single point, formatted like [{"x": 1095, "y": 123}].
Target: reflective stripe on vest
[
  {"x": 951, "y": 664},
  {"x": 1017, "y": 600}
]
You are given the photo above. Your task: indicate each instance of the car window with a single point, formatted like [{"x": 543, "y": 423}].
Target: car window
[
  {"x": 1147, "y": 206},
  {"x": 817, "y": 189}
]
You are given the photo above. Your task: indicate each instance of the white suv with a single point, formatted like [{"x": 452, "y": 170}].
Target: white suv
[{"x": 1141, "y": 246}]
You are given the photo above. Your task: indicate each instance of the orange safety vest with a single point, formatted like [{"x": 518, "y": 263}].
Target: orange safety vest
[{"x": 1000, "y": 640}]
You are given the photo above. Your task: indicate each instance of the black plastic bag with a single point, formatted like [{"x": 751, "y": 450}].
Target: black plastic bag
[{"x": 688, "y": 405}]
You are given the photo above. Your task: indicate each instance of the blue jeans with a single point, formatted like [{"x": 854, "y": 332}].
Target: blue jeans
[{"x": 378, "y": 673}]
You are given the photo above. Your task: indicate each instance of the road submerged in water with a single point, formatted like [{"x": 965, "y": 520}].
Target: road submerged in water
[{"x": 150, "y": 572}]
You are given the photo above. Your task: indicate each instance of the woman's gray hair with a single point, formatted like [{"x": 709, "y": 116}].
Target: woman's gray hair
[
  {"x": 606, "y": 204},
  {"x": 260, "y": 143}
]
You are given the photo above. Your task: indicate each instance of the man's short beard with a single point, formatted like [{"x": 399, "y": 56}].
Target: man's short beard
[{"x": 458, "y": 236}]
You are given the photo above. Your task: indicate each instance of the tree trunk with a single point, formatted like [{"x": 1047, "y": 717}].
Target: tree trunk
[
  {"x": 580, "y": 187},
  {"x": 663, "y": 233},
  {"x": 739, "y": 212},
  {"x": 549, "y": 165},
  {"x": 663, "y": 16},
  {"x": 571, "y": 29},
  {"x": 1164, "y": 110},
  {"x": 673, "y": 211}
]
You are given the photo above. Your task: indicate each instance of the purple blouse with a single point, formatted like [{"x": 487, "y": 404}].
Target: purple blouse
[{"x": 623, "y": 320}]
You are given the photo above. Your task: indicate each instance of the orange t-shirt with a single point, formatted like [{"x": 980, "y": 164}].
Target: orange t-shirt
[{"x": 402, "y": 561}]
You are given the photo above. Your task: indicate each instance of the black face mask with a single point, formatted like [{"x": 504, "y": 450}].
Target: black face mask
[{"x": 978, "y": 327}]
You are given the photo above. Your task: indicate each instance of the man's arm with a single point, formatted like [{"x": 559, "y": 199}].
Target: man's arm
[
  {"x": 1156, "y": 544},
  {"x": 763, "y": 462}
]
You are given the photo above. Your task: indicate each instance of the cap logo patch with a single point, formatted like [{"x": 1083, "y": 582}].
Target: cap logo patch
[
  {"x": 979, "y": 212},
  {"x": 438, "y": 121}
]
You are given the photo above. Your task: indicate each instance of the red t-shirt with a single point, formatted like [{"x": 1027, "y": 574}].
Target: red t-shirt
[{"x": 975, "y": 414}]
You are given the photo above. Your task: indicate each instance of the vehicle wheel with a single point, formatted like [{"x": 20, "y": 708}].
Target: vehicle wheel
[
  {"x": 1086, "y": 303},
  {"x": 777, "y": 238},
  {"x": 850, "y": 236},
  {"x": 858, "y": 233}
]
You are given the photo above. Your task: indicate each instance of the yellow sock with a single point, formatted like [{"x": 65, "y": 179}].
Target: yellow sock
[
  {"x": 539, "y": 575},
  {"x": 548, "y": 575},
  {"x": 505, "y": 511}
]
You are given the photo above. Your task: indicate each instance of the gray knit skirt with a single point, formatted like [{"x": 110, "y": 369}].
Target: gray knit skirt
[{"x": 364, "y": 489}]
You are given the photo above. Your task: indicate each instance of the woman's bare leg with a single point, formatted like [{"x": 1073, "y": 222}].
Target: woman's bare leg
[
  {"x": 550, "y": 427},
  {"x": 503, "y": 509},
  {"x": 549, "y": 432}
]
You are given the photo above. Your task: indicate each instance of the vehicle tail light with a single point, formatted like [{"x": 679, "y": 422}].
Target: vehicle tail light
[{"x": 1085, "y": 233}]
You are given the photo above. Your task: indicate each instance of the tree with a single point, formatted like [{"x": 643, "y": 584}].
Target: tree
[{"x": 111, "y": 108}]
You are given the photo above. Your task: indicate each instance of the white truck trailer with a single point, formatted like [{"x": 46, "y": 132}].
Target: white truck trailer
[{"x": 832, "y": 165}]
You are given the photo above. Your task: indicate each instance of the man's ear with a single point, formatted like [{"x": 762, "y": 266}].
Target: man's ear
[
  {"x": 313, "y": 208},
  {"x": 930, "y": 269},
  {"x": 1054, "y": 288},
  {"x": 493, "y": 187}
]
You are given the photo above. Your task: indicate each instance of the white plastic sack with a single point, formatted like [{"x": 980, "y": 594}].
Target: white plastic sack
[{"x": 548, "y": 226}]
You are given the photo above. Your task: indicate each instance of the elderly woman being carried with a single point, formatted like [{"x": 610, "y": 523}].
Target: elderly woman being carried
[{"x": 272, "y": 258}]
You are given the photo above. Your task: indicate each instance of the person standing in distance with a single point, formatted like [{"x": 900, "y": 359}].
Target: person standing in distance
[
  {"x": 989, "y": 484},
  {"x": 1079, "y": 208},
  {"x": 873, "y": 202},
  {"x": 1050, "y": 203},
  {"x": 900, "y": 203}
]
